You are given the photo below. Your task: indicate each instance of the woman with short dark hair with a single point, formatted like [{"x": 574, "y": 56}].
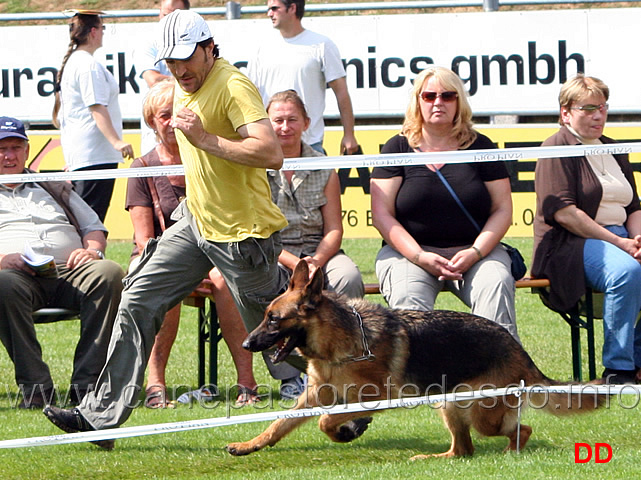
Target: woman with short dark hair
[{"x": 587, "y": 228}]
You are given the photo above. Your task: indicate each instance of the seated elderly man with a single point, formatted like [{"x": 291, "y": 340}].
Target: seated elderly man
[{"x": 51, "y": 219}]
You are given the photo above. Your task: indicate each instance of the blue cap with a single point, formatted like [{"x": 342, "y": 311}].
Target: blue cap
[{"x": 12, "y": 127}]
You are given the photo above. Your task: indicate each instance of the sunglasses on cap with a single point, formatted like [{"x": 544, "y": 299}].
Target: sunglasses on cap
[{"x": 445, "y": 96}]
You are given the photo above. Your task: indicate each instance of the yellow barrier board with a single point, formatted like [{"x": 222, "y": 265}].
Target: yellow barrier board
[{"x": 46, "y": 154}]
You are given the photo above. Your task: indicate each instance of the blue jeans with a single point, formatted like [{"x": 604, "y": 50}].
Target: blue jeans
[{"x": 610, "y": 270}]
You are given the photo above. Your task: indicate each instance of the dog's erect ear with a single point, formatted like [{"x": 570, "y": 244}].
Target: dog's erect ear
[
  {"x": 314, "y": 289},
  {"x": 317, "y": 282},
  {"x": 300, "y": 278}
]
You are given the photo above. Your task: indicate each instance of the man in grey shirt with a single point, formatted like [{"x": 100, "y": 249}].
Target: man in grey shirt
[{"x": 50, "y": 219}]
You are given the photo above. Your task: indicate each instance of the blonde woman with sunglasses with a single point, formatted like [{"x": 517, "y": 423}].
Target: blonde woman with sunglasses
[{"x": 429, "y": 241}]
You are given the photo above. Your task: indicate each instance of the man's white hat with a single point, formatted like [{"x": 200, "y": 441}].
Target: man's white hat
[{"x": 181, "y": 31}]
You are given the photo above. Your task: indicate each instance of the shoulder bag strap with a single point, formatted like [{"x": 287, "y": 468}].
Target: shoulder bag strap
[{"x": 458, "y": 200}]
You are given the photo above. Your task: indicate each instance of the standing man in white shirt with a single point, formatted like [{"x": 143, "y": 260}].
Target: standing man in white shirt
[
  {"x": 152, "y": 72},
  {"x": 306, "y": 62}
]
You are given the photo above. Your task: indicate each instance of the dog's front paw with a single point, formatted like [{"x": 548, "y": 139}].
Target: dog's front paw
[
  {"x": 353, "y": 429},
  {"x": 240, "y": 449}
]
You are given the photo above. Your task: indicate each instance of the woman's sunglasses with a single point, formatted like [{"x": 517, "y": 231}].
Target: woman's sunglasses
[{"x": 445, "y": 96}]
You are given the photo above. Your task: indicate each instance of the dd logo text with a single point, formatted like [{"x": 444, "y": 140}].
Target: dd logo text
[{"x": 583, "y": 453}]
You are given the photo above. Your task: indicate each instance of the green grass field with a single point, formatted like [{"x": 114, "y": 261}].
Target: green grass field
[{"x": 383, "y": 452}]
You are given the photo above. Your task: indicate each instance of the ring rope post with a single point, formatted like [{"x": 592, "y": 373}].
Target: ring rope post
[{"x": 519, "y": 395}]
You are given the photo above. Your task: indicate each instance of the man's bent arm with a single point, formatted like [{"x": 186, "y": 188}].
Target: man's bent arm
[
  {"x": 258, "y": 147},
  {"x": 92, "y": 242},
  {"x": 95, "y": 239}
]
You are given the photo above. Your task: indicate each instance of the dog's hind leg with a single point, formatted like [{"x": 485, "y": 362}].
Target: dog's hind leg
[
  {"x": 510, "y": 429},
  {"x": 345, "y": 427},
  {"x": 500, "y": 420},
  {"x": 524, "y": 436},
  {"x": 458, "y": 422}
]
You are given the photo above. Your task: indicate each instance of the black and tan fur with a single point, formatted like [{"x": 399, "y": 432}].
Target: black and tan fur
[{"x": 410, "y": 348}]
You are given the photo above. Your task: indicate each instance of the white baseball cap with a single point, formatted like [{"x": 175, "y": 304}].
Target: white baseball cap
[{"x": 180, "y": 32}]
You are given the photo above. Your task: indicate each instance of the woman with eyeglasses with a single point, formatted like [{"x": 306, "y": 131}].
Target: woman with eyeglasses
[
  {"x": 87, "y": 112},
  {"x": 587, "y": 228},
  {"x": 311, "y": 202},
  {"x": 429, "y": 241}
]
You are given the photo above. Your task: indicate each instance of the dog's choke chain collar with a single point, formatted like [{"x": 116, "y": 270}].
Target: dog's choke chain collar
[{"x": 367, "y": 353}]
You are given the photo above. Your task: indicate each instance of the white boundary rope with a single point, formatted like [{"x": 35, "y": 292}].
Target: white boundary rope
[
  {"x": 155, "y": 429},
  {"x": 320, "y": 163},
  {"x": 354, "y": 161}
]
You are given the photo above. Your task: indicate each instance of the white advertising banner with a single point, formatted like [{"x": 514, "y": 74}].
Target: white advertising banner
[{"x": 511, "y": 62}]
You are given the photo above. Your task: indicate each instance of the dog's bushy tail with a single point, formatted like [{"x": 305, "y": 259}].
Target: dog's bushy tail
[
  {"x": 556, "y": 401},
  {"x": 560, "y": 402}
]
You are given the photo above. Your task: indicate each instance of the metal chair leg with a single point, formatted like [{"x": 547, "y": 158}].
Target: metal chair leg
[
  {"x": 576, "y": 352},
  {"x": 589, "y": 327},
  {"x": 214, "y": 338},
  {"x": 204, "y": 329}
]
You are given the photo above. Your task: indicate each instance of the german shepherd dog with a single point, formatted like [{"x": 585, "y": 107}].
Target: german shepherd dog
[{"x": 421, "y": 349}]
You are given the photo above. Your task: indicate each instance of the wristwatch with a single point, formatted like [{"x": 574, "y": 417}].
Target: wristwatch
[{"x": 99, "y": 252}]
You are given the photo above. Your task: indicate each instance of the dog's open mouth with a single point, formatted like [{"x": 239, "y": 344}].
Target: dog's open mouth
[{"x": 283, "y": 348}]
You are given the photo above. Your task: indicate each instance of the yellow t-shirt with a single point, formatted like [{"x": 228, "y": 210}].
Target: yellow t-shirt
[{"x": 229, "y": 201}]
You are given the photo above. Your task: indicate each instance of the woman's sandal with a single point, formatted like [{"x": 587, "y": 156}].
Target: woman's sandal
[
  {"x": 246, "y": 396},
  {"x": 157, "y": 399}
]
